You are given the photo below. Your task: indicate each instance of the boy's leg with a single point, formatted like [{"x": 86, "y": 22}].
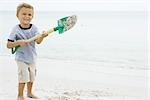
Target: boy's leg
[
  {"x": 20, "y": 98},
  {"x": 20, "y": 91},
  {"x": 23, "y": 77},
  {"x": 32, "y": 73},
  {"x": 29, "y": 90}
]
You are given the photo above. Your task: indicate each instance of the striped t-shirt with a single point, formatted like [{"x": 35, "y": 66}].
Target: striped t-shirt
[{"x": 25, "y": 53}]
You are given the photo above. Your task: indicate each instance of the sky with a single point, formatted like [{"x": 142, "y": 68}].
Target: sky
[{"x": 78, "y": 5}]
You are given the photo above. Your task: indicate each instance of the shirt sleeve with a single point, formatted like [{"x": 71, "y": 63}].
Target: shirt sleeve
[
  {"x": 12, "y": 36},
  {"x": 35, "y": 29}
]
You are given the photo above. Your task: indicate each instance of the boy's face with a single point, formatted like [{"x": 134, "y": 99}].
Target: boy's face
[{"x": 25, "y": 16}]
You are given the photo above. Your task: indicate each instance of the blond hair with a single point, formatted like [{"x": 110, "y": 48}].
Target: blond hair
[{"x": 23, "y": 5}]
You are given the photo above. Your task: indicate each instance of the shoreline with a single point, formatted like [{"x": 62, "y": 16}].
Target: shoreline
[{"x": 58, "y": 79}]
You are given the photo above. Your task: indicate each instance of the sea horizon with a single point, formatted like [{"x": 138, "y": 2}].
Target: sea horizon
[{"x": 104, "y": 38}]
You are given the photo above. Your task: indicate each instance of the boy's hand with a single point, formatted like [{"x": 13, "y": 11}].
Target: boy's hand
[
  {"x": 41, "y": 37},
  {"x": 44, "y": 34}
]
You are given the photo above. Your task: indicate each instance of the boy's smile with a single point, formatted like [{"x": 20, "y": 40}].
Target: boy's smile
[{"x": 25, "y": 16}]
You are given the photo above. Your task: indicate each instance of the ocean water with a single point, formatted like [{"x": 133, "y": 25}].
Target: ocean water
[{"x": 105, "y": 39}]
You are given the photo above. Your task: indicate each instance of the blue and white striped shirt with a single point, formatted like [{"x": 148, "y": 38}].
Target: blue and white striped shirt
[{"x": 25, "y": 53}]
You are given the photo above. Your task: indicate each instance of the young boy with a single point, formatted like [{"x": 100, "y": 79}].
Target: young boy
[{"x": 26, "y": 54}]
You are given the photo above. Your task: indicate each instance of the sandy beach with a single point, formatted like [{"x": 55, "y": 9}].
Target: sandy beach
[
  {"x": 66, "y": 80},
  {"x": 105, "y": 56}
]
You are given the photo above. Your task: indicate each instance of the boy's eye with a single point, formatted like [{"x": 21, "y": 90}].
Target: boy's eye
[
  {"x": 24, "y": 13},
  {"x": 29, "y": 14}
]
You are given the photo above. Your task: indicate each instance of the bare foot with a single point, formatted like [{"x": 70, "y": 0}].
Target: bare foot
[
  {"x": 32, "y": 96},
  {"x": 20, "y": 98}
]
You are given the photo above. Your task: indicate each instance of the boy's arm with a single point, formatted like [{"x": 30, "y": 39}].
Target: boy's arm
[{"x": 11, "y": 44}]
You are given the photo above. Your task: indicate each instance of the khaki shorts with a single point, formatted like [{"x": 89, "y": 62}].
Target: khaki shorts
[{"x": 26, "y": 72}]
